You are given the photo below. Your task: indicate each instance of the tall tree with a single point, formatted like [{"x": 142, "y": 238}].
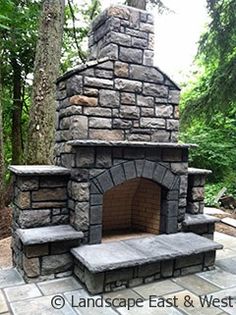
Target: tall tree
[
  {"x": 47, "y": 63},
  {"x": 2, "y": 163},
  {"x": 214, "y": 90}
]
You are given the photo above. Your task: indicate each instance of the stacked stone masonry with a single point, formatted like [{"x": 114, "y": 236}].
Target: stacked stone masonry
[
  {"x": 117, "y": 124},
  {"x": 123, "y": 278},
  {"x": 98, "y": 169}
]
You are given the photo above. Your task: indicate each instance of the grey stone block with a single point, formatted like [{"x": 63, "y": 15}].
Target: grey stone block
[
  {"x": 189, "y": 261},
  {"x": 45, "y": 235},
  {"x": 97, "y": 122},
  {"x": 97, "y": 82},
  {"x": 27, "y": 183},
  {"x": 105, "y": 181},
  {"x": 127, "y": 98},
  {"x": 149, "y": 269},
  {"x": 56, "y": 263},
  {"x": 148, "y": 169},
  {"x": 148, "y": 57},
  {"x": 155, "y": 90},
  {"x": 152, "y": 122},
  {"x": 159, "y": 173},
  {"x": 96, "y": 214},
  {"x": 80, "y": 191},
  {"x": 74, "y": 85},
  {"x": 130, "y": 170},
  {"x": 131, "y": 55},
  {"x": 168, "y": 179},
  {"x": 122, "y": 123},
  {"x": 209, "y": 259},
  {"x": 31, "y": 267},
  {"x": 94, "y": 282},
  {"x": 171, "y": 208},
  {"x": 136, "y": 33},
  {"x": 129, "y": 112},
  {"x": 172, "y": 195},
  {"x": 35, "y": 218},
  {"x": 171, "y": 225},
  {"x": 79, "y": 127},
  {"x": 95, "y": 234},
  {"x": 143, "y": 73},
  {"x": 96, "y": 199},
  {"x": 139, "y": 42},
  {"x": 128, "y": 85},
  {"x": 172, "y": 124},
  {"x": 103, "y": 157},
  {"x": 167, "y": 268},
  {"x": 191, "y": 269},
  {"x": 118, "y": 174},
  {"x": 85, "y": 157},
  {"x": 109, "y": 98}
]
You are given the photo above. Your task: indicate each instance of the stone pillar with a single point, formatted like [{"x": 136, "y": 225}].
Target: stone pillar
[
  {"x": 123, "y": 33},
  {"x": 195, "y": 197}
]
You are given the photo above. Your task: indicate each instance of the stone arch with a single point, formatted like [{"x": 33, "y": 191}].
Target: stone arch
[
  {"x": 117, "y": 174},
  {"x": 120, "y": 173}
]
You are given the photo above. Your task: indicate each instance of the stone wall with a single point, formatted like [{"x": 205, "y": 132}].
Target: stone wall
[
  {"x": 121, "y": 96},
  {"x": 126, "y": 102},
  {"x": 98, "y": 169},
  {"x": 123, "y": 33},
  {"x": 40, "y": 201},
  {"x": 196, "y": 192}
]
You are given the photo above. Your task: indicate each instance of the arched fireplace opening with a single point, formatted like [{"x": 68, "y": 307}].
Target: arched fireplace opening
[{"x": 132, "y": 208}]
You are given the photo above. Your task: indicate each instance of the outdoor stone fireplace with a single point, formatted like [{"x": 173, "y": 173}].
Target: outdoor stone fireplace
[{"x": 119, "y": 171}]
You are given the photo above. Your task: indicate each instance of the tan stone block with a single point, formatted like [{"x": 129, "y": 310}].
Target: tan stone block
[
  {"x": 31, "y": 267},
  {"x": 121, "y": 69},
  {"x": 104, "y": 134},
  {"x": 83, "y": 100},
  {"x": 23, "y": 200},
  {"x": 36, "y": 250},
  {"x": 49, "y": 194},
  {"x": 120, "y": 12}
]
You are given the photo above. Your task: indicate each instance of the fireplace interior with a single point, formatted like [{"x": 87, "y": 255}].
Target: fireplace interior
[{"x": 132, "y": 207}]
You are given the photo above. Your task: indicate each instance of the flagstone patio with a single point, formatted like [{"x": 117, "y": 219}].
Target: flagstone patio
[{"x": 19, "y": 298}]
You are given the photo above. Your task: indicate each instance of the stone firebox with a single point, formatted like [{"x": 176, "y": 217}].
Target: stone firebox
[{"x": 119, "y": 170}]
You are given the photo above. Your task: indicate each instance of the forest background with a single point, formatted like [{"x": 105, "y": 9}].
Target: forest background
[{"x": 53, "y": 33}]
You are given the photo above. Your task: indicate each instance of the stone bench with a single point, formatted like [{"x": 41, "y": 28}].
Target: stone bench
[
  {"x": 120, "y": 264},
  {"x": 200, "y": 224},
  {"x": 45, "y": 251}
]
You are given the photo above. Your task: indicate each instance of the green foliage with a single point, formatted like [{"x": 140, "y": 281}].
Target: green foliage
[
  {"x": 77, "y": 25},
  {"x": 208, "y": 104},
  {"x": 214, "y": 91},
  {"x": 216, "y": 145},
  {"x": 211, "y": 191}
]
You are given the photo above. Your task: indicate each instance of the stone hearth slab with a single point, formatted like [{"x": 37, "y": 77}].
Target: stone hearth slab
[
  {"x": 44, "y": 235},
  {"x": 134, "y": 252},
  {"x": 195, "y": 219},
  {"x": 125, "y": 143},
  {"x": 30, "y": 170}
]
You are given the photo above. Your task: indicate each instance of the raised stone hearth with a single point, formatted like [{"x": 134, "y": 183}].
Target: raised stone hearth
[
  {"x": 119, "y": 174},
  {"x": 121, "y": 264}
]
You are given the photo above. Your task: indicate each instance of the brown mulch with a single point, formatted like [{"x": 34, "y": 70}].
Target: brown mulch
[
  {"x": 224, "y": 228},
  {"x": 5, "y": 253},
  {"x": 5, "y": 222}
]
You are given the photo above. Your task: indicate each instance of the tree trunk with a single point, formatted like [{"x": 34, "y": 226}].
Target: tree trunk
[
  {"x": 2, "y": 164},
  {"x": 139, "y": 4},
  {"x": 47, "y": 62},
  {"x": 16, "y": 113}
]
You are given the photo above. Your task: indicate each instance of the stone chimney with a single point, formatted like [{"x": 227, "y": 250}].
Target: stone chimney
[{"x": 123, "y": 33}]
